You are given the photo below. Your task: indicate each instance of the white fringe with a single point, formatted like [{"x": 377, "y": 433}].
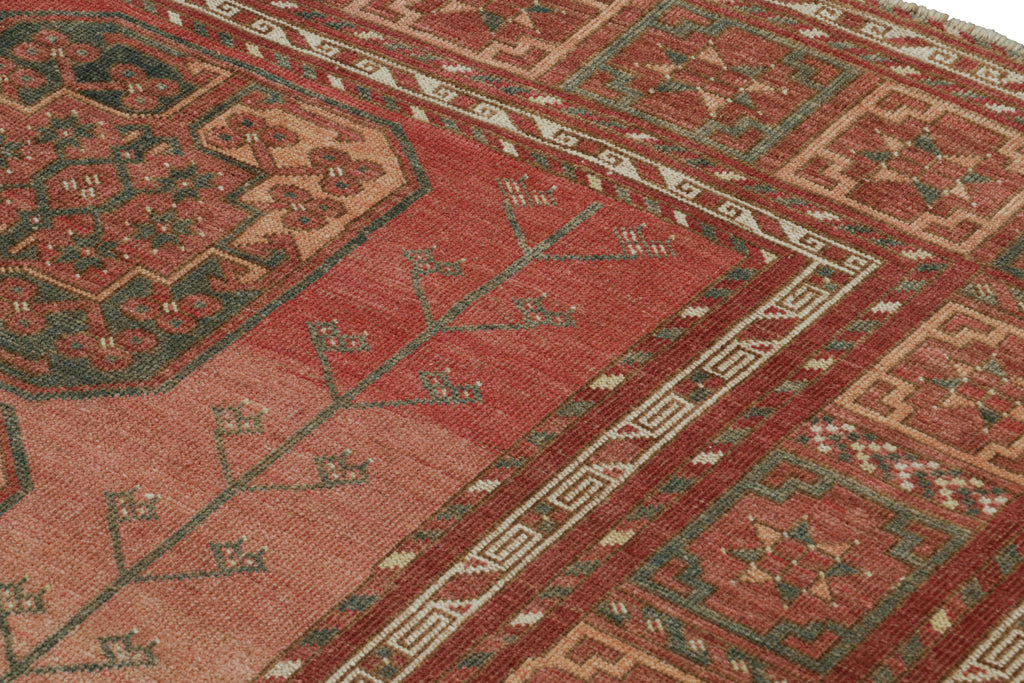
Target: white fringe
[{"x": 956, "y": 26}]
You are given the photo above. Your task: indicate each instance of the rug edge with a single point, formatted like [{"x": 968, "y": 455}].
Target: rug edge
[{"x": 986, "y": 37}]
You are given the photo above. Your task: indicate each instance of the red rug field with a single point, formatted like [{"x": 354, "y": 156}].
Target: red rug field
[{"x": 538, "y": 341}]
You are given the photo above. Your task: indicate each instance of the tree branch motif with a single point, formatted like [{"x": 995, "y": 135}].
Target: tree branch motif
[
  {"x": 14, "y": 601},
  {"x": 229, "y": 558},
  {"x": 424, "y": 263},
  {"x": 328, "y": 338},
  {"x": 118, "y": 652},
  {"x": 332, "y": 470},
  {"x": 238, "y": 420},
  {"x": 126, "y": 507},
  {"x": 440, "y": 390},
  {"x": 634, "y": 244},
  {"x": 246, "y": 418},
  {"x": 330, "y": 341},
  {"x": 535, "y": 314},
  {"x": 517, "y": 192}
]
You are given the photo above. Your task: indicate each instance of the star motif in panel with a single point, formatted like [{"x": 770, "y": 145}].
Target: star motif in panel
[
  {"x": 982, "y": 380},
  {"x": 921, "y": 162},
  {"x": 794, "y": 561},
  {"x": 717, "y": 83}
]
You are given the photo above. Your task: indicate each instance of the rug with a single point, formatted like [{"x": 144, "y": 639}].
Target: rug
[{"x": 539, "y": 341}]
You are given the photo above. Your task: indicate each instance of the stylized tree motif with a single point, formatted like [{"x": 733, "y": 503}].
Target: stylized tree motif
[{"x": 332, "y": 343}]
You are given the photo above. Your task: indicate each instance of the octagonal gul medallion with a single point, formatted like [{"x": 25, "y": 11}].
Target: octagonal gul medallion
[{"x": 156, "y": 201}]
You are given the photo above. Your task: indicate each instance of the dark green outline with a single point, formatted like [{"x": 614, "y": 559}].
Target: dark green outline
[
  {"x": 21, "y": 471},
  {"x": 847, "y": 637},
  {"x": 772, "y": 134},
  {"x": 357, "y": 240}
]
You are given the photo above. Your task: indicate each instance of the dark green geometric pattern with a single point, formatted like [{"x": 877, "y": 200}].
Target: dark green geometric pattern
[
  {"x": 54, "y": 344},
  {"x": 902, "y": 526},
  {"x": 652, "y": 27}
]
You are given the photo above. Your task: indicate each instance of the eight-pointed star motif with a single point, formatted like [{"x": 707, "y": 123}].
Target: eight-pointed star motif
[{"x": 794, "y": 561}]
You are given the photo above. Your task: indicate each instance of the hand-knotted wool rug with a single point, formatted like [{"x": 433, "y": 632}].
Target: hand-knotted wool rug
[{"x": 366, "y": 341}]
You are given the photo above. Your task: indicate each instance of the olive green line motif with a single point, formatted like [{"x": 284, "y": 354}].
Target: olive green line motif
[{"x": 231, "y": 557}]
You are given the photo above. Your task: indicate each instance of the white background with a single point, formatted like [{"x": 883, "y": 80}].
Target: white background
[{"x": 1002, "y": 16}]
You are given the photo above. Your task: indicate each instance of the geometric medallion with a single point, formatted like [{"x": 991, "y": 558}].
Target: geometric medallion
[
  {"x": 728, "y": 85},
  {"x": 157, "y": 201},
  {"x": 799, "y": 560},
  {"x": 794, "y": 561},
  {"x": 956, "y": 384},
  {"x": 920, "y": 164}
]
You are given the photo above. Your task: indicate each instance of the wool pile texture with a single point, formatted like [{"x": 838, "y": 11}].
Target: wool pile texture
[{"x": 525, "y": 341}]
